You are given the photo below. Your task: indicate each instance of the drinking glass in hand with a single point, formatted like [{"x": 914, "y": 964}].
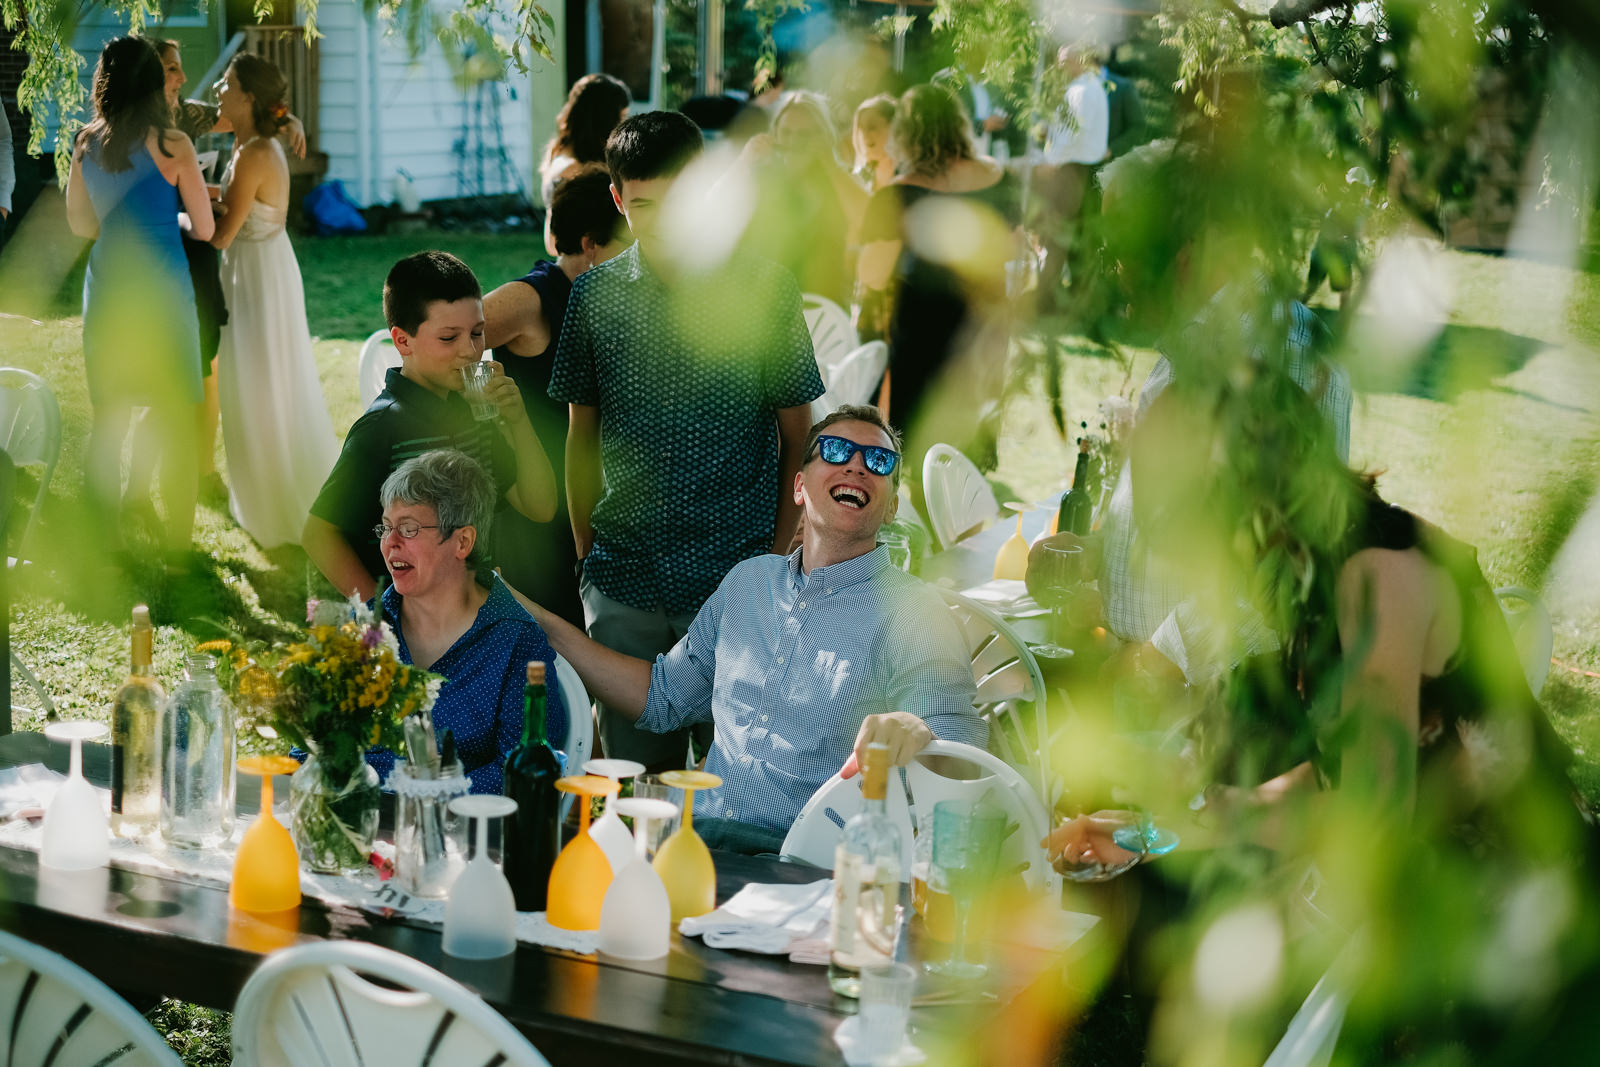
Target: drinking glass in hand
[
  {"x": 966, "y": 847},
  {"x": 475, "y": 379}
]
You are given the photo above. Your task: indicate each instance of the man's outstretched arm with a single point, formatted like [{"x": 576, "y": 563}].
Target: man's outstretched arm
[{"x": 618, "y": 681}]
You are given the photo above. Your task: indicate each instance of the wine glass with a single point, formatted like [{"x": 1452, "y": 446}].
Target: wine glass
[
  {"x": 1012, "y": 559},
  {"x": 636, "y": 918},
  {"x": 608, "y": 831},
  {"x": 580, "y": 875},
  {"x": 77, "y": 827},
  {"x": 966, "y": 846},
  {"x": 683, "y": 861},
  {"x": 266, "y": 871},
  {"x": 480, "y": 918}
]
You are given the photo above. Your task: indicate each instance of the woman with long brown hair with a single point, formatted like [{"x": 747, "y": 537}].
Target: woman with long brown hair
[
  {"x": 140, "y": 335},
  {"x": 594, "y": 107},
  {"x": 274, "y": 419}
]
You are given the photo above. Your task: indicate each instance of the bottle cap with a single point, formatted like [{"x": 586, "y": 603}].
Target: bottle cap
[{"x": 535, "y": 672}]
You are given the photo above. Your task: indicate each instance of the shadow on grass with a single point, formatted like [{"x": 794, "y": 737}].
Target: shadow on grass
[{"x": 1458, "y": 360}]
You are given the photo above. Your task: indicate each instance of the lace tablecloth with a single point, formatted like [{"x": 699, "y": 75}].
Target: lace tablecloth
[{"x": 34, "y": 785}]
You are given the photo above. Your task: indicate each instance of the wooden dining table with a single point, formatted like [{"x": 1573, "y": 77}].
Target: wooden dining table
[{"x": 148, "y": 934}]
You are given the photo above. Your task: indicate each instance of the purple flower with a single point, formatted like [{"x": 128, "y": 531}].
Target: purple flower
[
  {"x": 370, "y": 637},
  {"x": 311, "y": 610}
]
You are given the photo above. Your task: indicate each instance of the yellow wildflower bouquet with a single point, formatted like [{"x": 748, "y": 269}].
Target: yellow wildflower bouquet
[{"x": 335, "y": 693}]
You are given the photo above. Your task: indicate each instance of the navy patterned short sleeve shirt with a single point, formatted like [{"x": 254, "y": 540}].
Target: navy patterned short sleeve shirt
[{"x": 688, "y": 378}]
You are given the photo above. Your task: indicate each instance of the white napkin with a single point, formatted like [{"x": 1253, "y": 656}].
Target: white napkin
[
  {"x": 1005, "y": 595},
  {"x": 766, "y": 918}
]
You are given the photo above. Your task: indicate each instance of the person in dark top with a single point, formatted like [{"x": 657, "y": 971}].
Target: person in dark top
[
  {"x": 522, "y": 324},
  {"x": 944, "y": 302},
  {"x": 434, "y": 308}
]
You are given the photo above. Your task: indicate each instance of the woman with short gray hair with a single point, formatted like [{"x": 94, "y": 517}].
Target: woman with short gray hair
[{"x": 454, "y": 616}]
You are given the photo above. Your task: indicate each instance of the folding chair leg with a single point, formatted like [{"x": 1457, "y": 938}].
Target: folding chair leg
[{"x": 49, "y": 705}]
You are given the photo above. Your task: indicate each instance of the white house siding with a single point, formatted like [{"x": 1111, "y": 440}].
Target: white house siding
[{"x": 381, "y": 111}]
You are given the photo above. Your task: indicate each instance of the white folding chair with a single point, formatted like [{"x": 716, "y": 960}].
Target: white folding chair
[
  {"x": 310, "y": 1005},
  {"x": 1531, "y": 632},
  {"x": 1314, "y": 1031},
  {"x": 833, "y": 336},
  {"x": 580, "y": 724},
  {"x": 1006, "y": 675},
  {"x": 378, "y": 354},
  {"x": 30, "y": 433},
  {"x": 61, "y": 1014},
  {"x": 853, "y": 380},
  {"x": 958, "y": 497},
  {"x": 816, "y": 830}
]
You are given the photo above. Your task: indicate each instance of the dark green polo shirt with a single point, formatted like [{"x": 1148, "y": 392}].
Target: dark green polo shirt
[{"x": 405, "y": 420}]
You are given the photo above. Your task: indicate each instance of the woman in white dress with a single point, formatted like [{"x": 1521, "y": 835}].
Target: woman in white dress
[{"x": 275, "y": 422}]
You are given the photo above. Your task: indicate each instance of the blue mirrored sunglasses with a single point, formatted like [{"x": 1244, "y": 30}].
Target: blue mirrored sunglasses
[{"x": 838, "y": 450}]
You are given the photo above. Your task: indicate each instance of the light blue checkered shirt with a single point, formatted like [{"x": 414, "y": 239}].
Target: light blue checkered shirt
[{"x": 787, "y": 664}]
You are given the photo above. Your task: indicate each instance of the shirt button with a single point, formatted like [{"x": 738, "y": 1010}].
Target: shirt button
[
  {"x": 801, "y": 605},
  {"x": 763, "y": 718},
  {"x": 780, "y": 659},
  {"x": 744, "y": 759},
  {"x": 828, "y": 592}
]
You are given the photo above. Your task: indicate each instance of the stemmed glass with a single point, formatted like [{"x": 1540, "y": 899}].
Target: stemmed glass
[
  {"x": 966, "y": 846},
  {"x": 608, "y": 831},
  {"x": 636, "y": 918},
  {"x": 480, "y": 918},
  {"x": 580, "y": 875},
  {"x": 1133, "y": 836},
  {"x": 683, "y": 861},
  {"x": 77, "y": 828},
  {"x": 266, "y": 871},
  {"x": 1012, "y": 559}
]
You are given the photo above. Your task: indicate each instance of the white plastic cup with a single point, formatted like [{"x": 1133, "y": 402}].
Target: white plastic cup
[
  {"x": 636, "y": 915},
  {"x": 77, "y": 829},
  {"x": 608, "y": 832},
  {"x": 885, "y": 1009},
  {"x": 480, "y": 918}
]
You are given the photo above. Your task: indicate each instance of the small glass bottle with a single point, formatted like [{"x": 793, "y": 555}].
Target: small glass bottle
[
  {"x": 136, "y": 739},
  {"x": 197, "y": 746},
  {"x": 865, "y": 923}
]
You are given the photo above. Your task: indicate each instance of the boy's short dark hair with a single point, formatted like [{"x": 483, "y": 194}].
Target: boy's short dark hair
[
  {"x": 420, "y": 279},
  {"x": 655, "y": 144},
  {"x": 580, "y": 207}
]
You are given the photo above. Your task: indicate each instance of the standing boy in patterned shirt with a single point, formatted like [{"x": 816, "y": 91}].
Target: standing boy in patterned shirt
[{"x": 689, "y": 394}]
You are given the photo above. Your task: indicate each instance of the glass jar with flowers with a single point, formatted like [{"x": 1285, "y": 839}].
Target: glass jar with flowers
[{"x": 334, "y": 694}]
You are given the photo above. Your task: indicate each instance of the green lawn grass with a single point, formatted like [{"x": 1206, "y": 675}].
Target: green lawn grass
[{"x": 1504, "y": 457}]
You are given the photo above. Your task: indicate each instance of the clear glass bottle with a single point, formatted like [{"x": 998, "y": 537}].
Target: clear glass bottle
[
  {"x": 197, "y": 787},
  {"x": 865, "y": 923},
  {"x": 136, "y": 739}
]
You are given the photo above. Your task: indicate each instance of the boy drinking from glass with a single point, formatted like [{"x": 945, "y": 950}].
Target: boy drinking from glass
[{"x": 434, "y": 307}]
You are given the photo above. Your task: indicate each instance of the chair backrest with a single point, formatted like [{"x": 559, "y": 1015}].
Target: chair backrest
[
  {"x": 913, "y": 793},
  {"x": 30, "y": 431},
  {"x": 833, "y": 336},
  {"x": 1531, "y": 632},
  {"x": 853, "y": 380},
  {"x": 49, "y": 1000},
  {"x": 1006, "y": 675},
  {"x": 378, "y": 354},
  {"x": 310, "y": 1004},
  {"x": 580, "y": 724},
  {"x": 1314, "y": 1031},
  {"x": 959, "y": 500}
]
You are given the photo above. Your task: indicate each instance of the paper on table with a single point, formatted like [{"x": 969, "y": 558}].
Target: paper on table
[
  {"x": 1009, "y": 596},
  {"x": 766, "y": 918}
]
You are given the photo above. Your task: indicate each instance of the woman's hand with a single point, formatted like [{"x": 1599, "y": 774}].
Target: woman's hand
[{"x": 1088, "y": 839}]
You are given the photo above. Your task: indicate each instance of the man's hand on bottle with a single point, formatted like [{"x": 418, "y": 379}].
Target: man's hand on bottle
[{"x": 903, "y": 732}]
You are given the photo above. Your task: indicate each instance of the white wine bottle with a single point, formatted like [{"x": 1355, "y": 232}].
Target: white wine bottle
[
  {"x": 865, "y": 923},
  {"x": 136, "y": 739}
]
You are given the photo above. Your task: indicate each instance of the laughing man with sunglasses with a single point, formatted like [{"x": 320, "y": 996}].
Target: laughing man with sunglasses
[{"x": 801, "y": 660}]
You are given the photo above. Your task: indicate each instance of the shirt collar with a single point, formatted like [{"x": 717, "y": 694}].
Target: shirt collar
[
  {"x": 409, "y": 394},
  {"x": 500, "y": 606},
  {"x": 836, "y": 576}
]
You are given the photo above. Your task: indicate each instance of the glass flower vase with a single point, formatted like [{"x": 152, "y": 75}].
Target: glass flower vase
[{"x": 333, "y": 815}]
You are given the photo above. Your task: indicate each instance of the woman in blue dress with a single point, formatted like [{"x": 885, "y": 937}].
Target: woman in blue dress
[{"x": 141, "y": 340}]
